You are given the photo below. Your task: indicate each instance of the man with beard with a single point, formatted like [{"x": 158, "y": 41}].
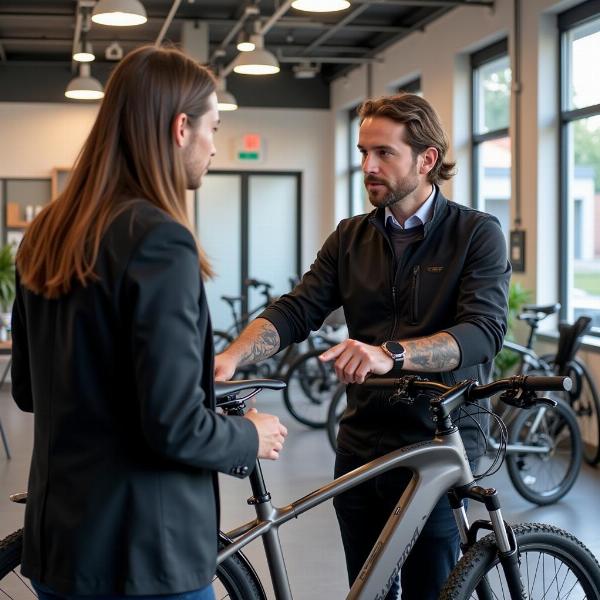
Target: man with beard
[{"x": 423, "y": 282}]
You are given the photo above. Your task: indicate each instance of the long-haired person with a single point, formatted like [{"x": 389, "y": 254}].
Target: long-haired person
[{"x": 112, "y": 351}]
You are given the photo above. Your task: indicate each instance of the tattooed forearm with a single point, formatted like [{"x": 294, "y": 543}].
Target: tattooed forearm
[
  {"x": 258, "y": 341},
  {"x": 436, "y": 353}
]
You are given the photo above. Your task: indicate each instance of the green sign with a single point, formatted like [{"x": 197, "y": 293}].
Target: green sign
[{"x": 248, "y": 155}]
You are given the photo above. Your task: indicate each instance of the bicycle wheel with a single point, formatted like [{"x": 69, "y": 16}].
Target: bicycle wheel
[
  {"x": 235, "y": 578},
  {"x": 310, "y": 384},
  {"x": 337, "y": 406},
  {"x": 221, "y": 340},
  {"x": 554, "y": 565},
  {"x": 545, "y": 477}
]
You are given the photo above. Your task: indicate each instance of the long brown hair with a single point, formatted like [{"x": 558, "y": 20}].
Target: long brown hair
[
  {"x": 422, "y": 128},
  {"x": 129, "y": 154}
]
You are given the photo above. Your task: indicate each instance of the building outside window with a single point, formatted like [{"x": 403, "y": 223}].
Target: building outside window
[
  {"x": 491, "y": 158},
  {"x": 580, "y": 162}
]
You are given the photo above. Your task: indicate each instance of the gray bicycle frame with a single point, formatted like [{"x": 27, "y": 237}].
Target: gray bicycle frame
[{"x": 438, "y": 466}]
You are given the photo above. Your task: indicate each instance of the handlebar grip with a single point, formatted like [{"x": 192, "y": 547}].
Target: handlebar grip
[{"x": 542, "y": 383}]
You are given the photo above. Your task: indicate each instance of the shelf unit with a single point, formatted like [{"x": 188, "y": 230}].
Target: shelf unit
[{"x": 20, "y": 200}]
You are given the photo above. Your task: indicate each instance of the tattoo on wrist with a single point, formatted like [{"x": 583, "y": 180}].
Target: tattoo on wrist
[
  {"x": 436, "y": 353},
  {"x": 265, "y": 343}
]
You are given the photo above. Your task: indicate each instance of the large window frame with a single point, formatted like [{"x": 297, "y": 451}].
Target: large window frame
[
  {"x": 354, "y": 166},
  {"x": 479, "y": 59},
  {"x": 582, "y": 15}
]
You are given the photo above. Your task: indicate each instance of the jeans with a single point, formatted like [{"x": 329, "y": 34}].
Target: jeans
[
  {"x": 45, "y": 593},
  {"x": 363, "y": 511}
]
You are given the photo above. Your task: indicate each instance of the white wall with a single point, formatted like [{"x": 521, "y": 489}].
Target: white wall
[{"x": 34, "y": 138}]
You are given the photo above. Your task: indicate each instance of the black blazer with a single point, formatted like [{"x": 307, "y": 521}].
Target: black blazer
[{"x": 119, "y": 376}]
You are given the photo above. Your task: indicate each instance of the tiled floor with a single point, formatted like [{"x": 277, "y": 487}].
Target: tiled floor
[{"x": 311, "y": 544}]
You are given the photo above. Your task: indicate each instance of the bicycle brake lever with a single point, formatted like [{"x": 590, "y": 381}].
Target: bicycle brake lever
[{"x": 546, "y": 401}]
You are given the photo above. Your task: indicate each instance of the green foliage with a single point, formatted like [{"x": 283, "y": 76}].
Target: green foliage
[
  {"x": 7, "y": 278},
  {"x": 496, "y": 101},
  {"x": 586, "y": 146},
  {"x": 507, "y": 360}
]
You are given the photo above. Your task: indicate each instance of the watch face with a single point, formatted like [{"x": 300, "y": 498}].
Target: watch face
[{"x": 395, "y": 348}]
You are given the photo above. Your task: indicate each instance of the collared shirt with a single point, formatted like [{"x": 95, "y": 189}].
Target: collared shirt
[{"x": 423, "y": 215}]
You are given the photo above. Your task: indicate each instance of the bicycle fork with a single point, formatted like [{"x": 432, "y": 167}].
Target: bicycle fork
[{"x": 508, "y": 552}]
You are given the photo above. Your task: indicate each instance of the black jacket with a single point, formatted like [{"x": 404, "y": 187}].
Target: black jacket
[
  {"x": 455, "y": 279},
  {"x": 119, "y": 375}
]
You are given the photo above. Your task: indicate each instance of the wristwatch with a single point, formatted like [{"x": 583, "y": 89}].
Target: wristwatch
[{"x": 395, "y": 350}]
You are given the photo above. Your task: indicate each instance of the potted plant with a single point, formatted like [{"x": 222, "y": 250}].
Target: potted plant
[
  {"x": 506, "y": 360},
  {"x": 7, "y": 289}
]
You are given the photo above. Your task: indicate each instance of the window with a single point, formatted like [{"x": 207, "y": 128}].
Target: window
[
  {"x": 580, "y": 162},
  {"x": 491, "y": 159},
  {"x": 358, "y": 193}
]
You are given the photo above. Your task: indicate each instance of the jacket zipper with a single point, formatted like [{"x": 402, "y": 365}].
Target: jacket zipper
[{"x": 415, "y": 294}]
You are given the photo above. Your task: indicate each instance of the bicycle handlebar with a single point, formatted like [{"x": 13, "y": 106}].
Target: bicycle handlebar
[
  {"x": 476, "y": 391},
  {"x": 256, "y": 283}
]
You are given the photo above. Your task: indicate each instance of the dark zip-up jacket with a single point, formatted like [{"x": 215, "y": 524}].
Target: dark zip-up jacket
[{"x": 455, "y": 280}]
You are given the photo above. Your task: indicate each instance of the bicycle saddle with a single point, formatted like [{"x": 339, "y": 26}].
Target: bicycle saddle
[
  {"x": 538, "y": 312},
  {"x": 230, "y": 388}
]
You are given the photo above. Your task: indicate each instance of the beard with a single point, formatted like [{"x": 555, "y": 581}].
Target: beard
[{"x": 395, "y": 193}]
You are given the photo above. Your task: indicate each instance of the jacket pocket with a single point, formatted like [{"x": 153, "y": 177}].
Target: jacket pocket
[{"x": 414, "y": 293}]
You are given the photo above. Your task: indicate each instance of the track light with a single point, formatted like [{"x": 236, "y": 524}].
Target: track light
[
  {"x": 320, "y": 5},
  {"x": 257, "y": 62},
  {"x": 119, "y": 13},
  {"x": 84, "y": 52},
  {"x": 226, "y": 101},
  {"x": 84, "y": 86},
  {"x": 245, "y": 44}
]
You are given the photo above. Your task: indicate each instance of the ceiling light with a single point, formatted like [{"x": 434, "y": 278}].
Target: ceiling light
[
  {"x": 245, "y": 43},
  {"x": 226, "y": 101},
  {"x": 84, "y": 87},
  {"x": 84, "y": 52},
  {"x": 305, "y": 70},
  {"x": 257, "y": 62},
  {"x": 119, "y": 13},
  {"x": 320, "y": 5}
]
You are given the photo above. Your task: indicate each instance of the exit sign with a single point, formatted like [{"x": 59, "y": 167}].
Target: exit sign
[{"x": 249, "y": 148}]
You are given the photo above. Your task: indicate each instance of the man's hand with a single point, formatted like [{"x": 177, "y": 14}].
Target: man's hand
[
  {"x": 355, "y": 360},
  {"x": 271, "y": 433},
  {"x": 225, "y": 366}
]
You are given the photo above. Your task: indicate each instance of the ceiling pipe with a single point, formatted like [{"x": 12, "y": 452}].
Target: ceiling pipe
[
  {"x": 451, "y": 3},
  {"x": 325, "y": 36},
  {"x": 328, "y": 59},
  {"x": 167, "y": 23}
]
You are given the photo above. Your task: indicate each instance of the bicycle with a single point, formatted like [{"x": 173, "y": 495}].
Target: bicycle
[
  {"x": 583, "y": 398},
  {"x": 309, "y": 381},
  {"x": 540, "y": 560},
  {"x": 543, "y": 453}
]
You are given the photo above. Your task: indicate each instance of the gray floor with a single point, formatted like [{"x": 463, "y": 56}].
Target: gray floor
[{"x": 314, "y": 557}]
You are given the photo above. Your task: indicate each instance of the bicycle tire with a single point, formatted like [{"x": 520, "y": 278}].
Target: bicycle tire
[
  {"x": 221, "y": 340},
  {"x": 480, "y": 567},
  {"x": 235, "y": 577},
  {"x": 557, "y": 469},
  {"x": 308, "y": 374},
  {"x": 585, "y": 401},
  {"x": 337, "y": 407}
]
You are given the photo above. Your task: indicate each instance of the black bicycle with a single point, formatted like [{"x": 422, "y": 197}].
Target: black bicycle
[{"x": 583, "y": 397}]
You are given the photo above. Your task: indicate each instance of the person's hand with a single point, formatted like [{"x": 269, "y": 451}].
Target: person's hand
[
  {"x": 355, "y": 360},
  {"x": 225, "y": 366},
  {"x": 271, "y": 433}
]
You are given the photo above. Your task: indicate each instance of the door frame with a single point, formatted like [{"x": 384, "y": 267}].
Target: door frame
[{"x": 244, "y": 220}]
